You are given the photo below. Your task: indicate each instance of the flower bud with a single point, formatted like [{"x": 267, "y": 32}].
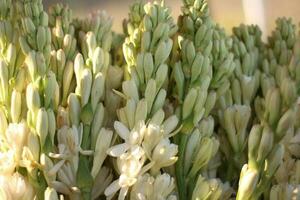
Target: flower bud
[
  {"x": 189, "y": 103},
  {"x": 161, "y": 75},
  {"x": 274, "y": 160},
  {"x": 85, "y": 86},
  {"x": 162, "y": 52},
  {"x": 148, "y": 66},
  {"x": 104, "y": 140},
  {"x": 20, "y": 80},
  {"x": 98, "y": 60},
  {"x": 286, "y": 122},
  {"x": 159, "y": 100},
  {"x": 141, "y": 111},
  {"x": 67, "y": 78},
  {"x": 49, "y": 88},
  {"x": 50, "y": 194},
  {"x": 74, "y": 109},
  {"x": 15, "y": 106},
  {"x": 41, "y": 38},
  {"x": 273, "y": 106},
  {"x": 51, "y": 124},
  {"x": 150, "y": 94},
  {"x": 247, "y": 183},
  {"x": 32, "y": 97},
  {"x": 130, "y": 90},
  {"x": 98, "y": 89},
  {"x": 42, "y": 125},
  {"x": 266, "y": 144},
  {"x": 158, "y": 117}
]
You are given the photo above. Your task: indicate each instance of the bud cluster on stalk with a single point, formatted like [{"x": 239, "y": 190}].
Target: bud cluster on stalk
[{"x": 161, "y": 111}]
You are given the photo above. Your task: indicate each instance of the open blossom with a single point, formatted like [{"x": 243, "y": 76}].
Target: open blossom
[
  {"x": 14, "y": 187},
  {"x": 151, "y": 188},
  {"x": 16, "y": 135}
]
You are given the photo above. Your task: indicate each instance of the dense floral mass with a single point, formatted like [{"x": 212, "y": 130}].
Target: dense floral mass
[{"x": 165, "y": 110}]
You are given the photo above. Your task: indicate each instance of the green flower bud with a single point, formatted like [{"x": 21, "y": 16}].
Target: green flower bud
[
  {"x": 78, "y": 67},
  {"x": 29, "y": 25},
  {"x": 104, "y": 140},
  {"x": 285, "y": 123},
  {"x": 130, "y": 109},
  {"x": 266, "y": 144},
  {"x": 51, "y": 124},
  {"x": 158, "y": 117},
  {"x": 3, "y": 122},
  {"x": 191, "y": 147},
  {"x": 141, "y": 111},
  {"x": 161, "y": 75},
  {"x": 274, "y": 160},
  {"x": 31, "y": 63},
  {"x": 253, "y": 141},
  {"x": 42, "y": 125},
  {"x": 210, "y": 102},
  {"x": 40, "y": 64},
  {"x": 85, "y": 86},
  {"x": 273, "y": 106},
  {"x": 179, "y": 78},
  {"x": 196, "y": 67},
  {"x": 20, "y": 80},
  {"x": 289, "y": 91},
  {"x": 189, "y": 103},
  {"x": 247, "y": 184},
  {"x": 170, "y": 124},
  {"x": 148, "y": 66},
  {"x": 150, "y": 94},
  {"x": 41, "y": 38},
  {"x": 4, "y": 81},
  {"x": 130, "y": 90},
  {"x": 91, "y": 43},
  {"x": 229, "y": 126},
  {"x": 32, "y": 98},
  {"x": 61, "y": 62},
  {"x": 49, "y": 88},
  {"x": 159, "y": 100},
  {"x": 163, "y": 51},
  {"x": 98, "y": 89},
  {"x": 16, "y": 104},
  {"x": 98, "y": 122},
  {"x": 67, "y": 78},
  {"x": 98, "y": 60}
]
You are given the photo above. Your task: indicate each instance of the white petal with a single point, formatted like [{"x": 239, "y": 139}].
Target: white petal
[
  {"x": 117, "y": 150},
  {"x": 122, "y": 130},
  {"x": 112, "y": 188}
]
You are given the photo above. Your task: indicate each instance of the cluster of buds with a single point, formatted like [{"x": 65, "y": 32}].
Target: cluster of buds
[{"x": 161, "y": 112}]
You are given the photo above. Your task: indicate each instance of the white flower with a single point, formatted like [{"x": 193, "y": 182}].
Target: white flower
[
  {"x": 16, "y": 187},
  {"x": 16, "y": 135},
  {"x": 164, "y": 154},
  {"x": 149, "y": 188},
  {"x": 7, "y": 162},
  {"x": 130, "y": 165}
]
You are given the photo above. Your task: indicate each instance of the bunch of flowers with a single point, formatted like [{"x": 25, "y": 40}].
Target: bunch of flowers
[{"x": 163, "y": 111}]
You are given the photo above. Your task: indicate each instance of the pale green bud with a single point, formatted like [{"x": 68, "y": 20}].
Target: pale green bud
[
  {"x": 104, "y": 140},
  {"x": 24, "y": 45},
  {"x": 130, "y": 90},
  {"x": 161, "y": 75},
  {"x": 11, "y": 54},
  {"x": 32, "y": 97},
  {"x": 91, "y": 43},
  {"x": 190, "y": 52},
  {"x": 50, "y": 194},
  {"x": 179, "y": 78},
  {"x": 34, "y": 146},
  {"x": 289, "y": 91},
  {"x": 20, "y": 80},
  {"x": 199, "y": 108},
  {"x": 16, "y": 103},
  {"x": 115, "y": 75},
  {"x": 41, "y": 38},
  {"x": 189, "y": 103},
  {"x": 191, "y": 147},
  {"x": 196, "y": 67},
  {"x": 49, "y": 88},
  {"x": 241, "y": 119},
  {"x": 141, "y": 111},
  {"x": 236, "y": 91},
  {"x": 31, "y": 63},
  {"x": 159, "y": 100},
  {"x": 158, "y": 117},
  {"x": 162, "y": 52},
  {"x": 248, "y": 182},
  {"x": 170, "y": 124},
  {"x": 266, "y": 144},
  {"x": 210, "y": 102},
  {"x": 274, "y": 160},
  {"x": 85, "y": 86},
  {"x": 206, "y": 126},
  {"x": 98, "y": 89},
  {"x": 150, "y": 94},
  {"x": 130, "y": 109},
  {"x": 140, "y": 67},
  {"x": 273, "y": 105},
  {"x": 248, "y": 87},
  {"x": 40, "y": 64},
  {"x": 98, "y": 60},
  {"x": 229, "y": 126},
  {"x": 285, "y": 123},
  {"x": 148, "y": 66},
  {"x": 67, "y": 78},
  {"x": 42, "y": 127},
  {"x": 3, "y": 122},
  {"x": 98, "y": 122},
  {"x": 51, "y": 124},
  {"x": 60, "y": 62},
  {"x": 29, "y": 25},
  {"x": 78, "y": 67}
]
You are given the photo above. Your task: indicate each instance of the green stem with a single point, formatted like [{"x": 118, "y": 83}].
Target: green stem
[{"x": 180, "y": 167}]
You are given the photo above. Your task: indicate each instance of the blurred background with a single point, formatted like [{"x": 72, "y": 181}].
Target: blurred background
[{"x": 228, "y": 13}]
